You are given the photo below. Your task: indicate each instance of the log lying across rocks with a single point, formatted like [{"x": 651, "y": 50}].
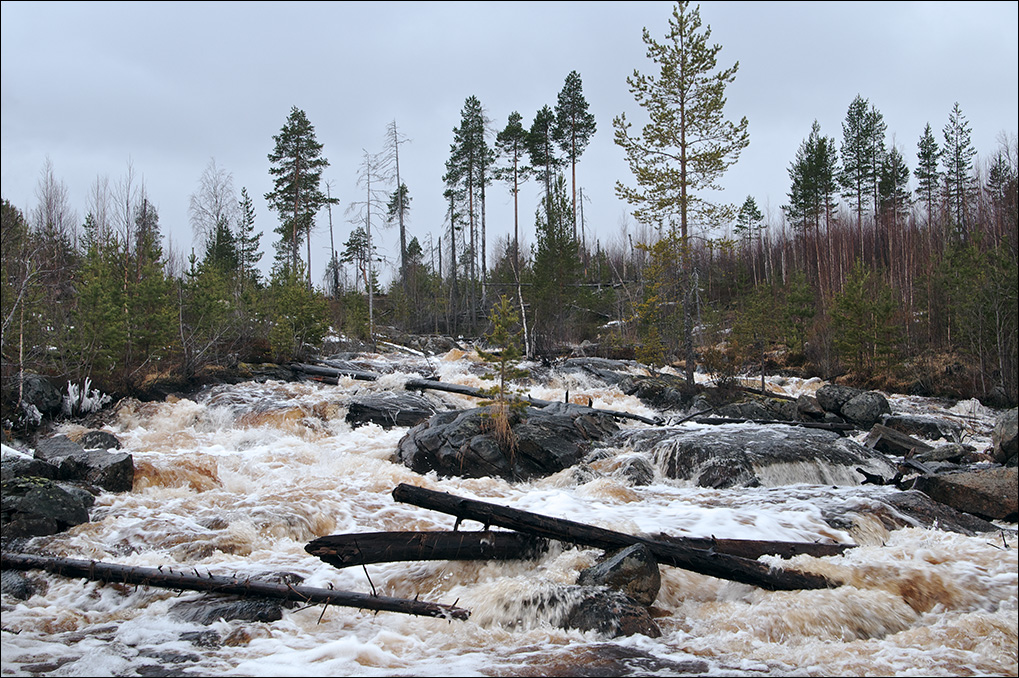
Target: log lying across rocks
[
  {"x": 460, "y": 389},
  {"x": 703, "y": 561},
  {"x": 166, "y": 578},
  {"x": 345, "y": 550},
  {"x": 367, "y": 548}
]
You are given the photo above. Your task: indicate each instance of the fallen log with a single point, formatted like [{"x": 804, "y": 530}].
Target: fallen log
[
  {"x": 167, "y": 578},
  {"x": 345, "y": 550},
  {"x": 702, "y": 561},
  {"x": 824, "y": 426},
  {"x": 889, "y": 441},
  {"x": 460, "y": 389}
]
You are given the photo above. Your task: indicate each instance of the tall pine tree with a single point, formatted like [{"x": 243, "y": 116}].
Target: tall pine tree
[{"x": 574, "y": 127}]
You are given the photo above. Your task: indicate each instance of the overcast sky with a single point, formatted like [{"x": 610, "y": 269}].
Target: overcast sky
[{"x": 166, "y": 87}]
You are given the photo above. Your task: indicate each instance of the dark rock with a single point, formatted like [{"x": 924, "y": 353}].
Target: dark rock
[
  {"x": 831, "y": 397},
  {"x": 39, "y": 506},
  {"x": 865, "y": 409},
  {"x": 388, "y": 409},
  {"x": 22, "y": 467},
  {"x": 747, "y": 410},
  {"x": 809, "y": 409},
  {"x": 957, "y": 453},
  {"x": 17, "y": 585},
  {"x": 1005, "y": 437},
  {"x": 610, "y": 613},
  {"x": 930, "y": 428},
  {"x": 661, "y": 391},
  {"x": 638, "y": 470},
  {"x": 632, "y": 570},
  {"x": 39, "y": 392},
  {"x": 204, "y": 611},
  {"x": 112, "y": 471},
  {"x": 909, "y": 508},
  {"x": 988, "y": 493},
  {"x": 55, "y": 447},
  {"x": 733, "y": 455},
  {"x": 99, "y": 440},
  {"x": 608, "y": 660},
  {"x": 544, "y": 441},
  {"x": 609, "y": 371}
]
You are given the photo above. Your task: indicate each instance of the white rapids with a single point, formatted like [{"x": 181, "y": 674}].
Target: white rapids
[{"x": 238, "y": 480}]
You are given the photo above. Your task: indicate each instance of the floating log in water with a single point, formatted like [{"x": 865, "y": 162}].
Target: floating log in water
[
  {"x": 824, "y": 426},
  {"x": 344, "y": 550},
  {"x": 460, "y": 389},
  {"x": 754, "y": 548},
  {"x": 166, "y": 578},
  {"x": 702, "y": 561}
]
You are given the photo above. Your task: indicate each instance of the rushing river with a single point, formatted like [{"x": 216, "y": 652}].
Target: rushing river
[{"x": 238, "y": 480}]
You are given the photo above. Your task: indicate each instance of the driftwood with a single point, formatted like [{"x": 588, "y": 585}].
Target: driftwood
[
  {"x": 702, "y": 561},
  {"x": 345, "y": 550},
  {"x": 460, "y": 389},
  {"x": 166, "y": 578},
  {"x": 824, "y": 426}
]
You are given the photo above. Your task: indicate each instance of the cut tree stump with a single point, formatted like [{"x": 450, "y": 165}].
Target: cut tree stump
[
  {"x": 703, "y": 561},
  {"x": 345, "y": 550},
  {"x": 112, "y": 573}
]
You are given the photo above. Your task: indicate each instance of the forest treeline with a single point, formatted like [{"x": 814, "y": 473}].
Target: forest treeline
[{"x": 890, "y": 267}]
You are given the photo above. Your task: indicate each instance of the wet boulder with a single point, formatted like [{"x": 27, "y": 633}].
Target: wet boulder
[
  {"x": 40, "y": 394},
  {"x": 865, "y": 409},
  {"x": 661, "y": 391},
  {"x": 210, "y": 608},
  {"x": 831, "y": 397},
  {"x": 921, "y": 426},
  {"x": 991, "y": 493},
  {"x": 36, "y": 506},
  {"x": 528, "y": 443},
  {"x": 389, "y": 409},
  {"x": 99, "y": 440},
  {"x": 1005, "y": 437},
  {"x": 632, "y": 570},
  {"x": 750, "y": 455},
  {"x": 111, "y": 470},
  {"x": 610, "y": 613}
]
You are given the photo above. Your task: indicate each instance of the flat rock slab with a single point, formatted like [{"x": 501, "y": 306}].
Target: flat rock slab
[
  {"x": 988, "y": 493},
  {"x": 750, "y": 455}
]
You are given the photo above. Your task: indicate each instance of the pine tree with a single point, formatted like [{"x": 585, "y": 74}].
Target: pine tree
[
  {"x": 297, "y": 164},
  {"x": 859, "y": 170},
  {"x": 748, "y": 221},
  {"x": 687, "y": 144},
  {"x": 511, "y": 145},
  {"x": 928, "y": 176},
  {"x": 812, "y": 193},
  {"x": 541, "y": 148},
  {"x": 960, "y": 184},
  {"x": 574, "y": 127}
]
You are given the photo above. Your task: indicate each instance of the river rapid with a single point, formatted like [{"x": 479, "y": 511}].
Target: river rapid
[{"x": 239, "y": 479}]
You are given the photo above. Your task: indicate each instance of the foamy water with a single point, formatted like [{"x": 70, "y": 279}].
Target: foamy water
[{"x": 238, "y": 480}]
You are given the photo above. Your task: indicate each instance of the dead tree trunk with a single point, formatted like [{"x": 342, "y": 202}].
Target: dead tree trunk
[
  {"x": 344, "y": 550},
  {"x": 823, "y": 425},
  {"x": 702, "y": 561},
  {"x": 147, "y": 576}
]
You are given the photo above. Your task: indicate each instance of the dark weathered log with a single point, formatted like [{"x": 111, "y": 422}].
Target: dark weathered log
[
  {"x": 754, "y": 548},
  {"x": 702, "y": 561},
  {"x": 767, "y": 394},
  {"x": 344, "y": 550},
  {"x": 824, "y": 426},
  {"x": 166, "y": 578},
  {"x": 431, "y": 384}
]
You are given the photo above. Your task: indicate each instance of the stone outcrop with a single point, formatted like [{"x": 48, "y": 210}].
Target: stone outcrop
[
  {"x": 632, "y": 570},
  {"x": 1005, "y": 437},
  {"x": 991, "y": 493},
  {"x": 470, "y": 443}
]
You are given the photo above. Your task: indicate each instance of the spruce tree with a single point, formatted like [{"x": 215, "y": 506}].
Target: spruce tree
[
  {"x": 960, "y": 184},
  {"x": 296, "y": 165},
  {"x": 928, "y": 176}
]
